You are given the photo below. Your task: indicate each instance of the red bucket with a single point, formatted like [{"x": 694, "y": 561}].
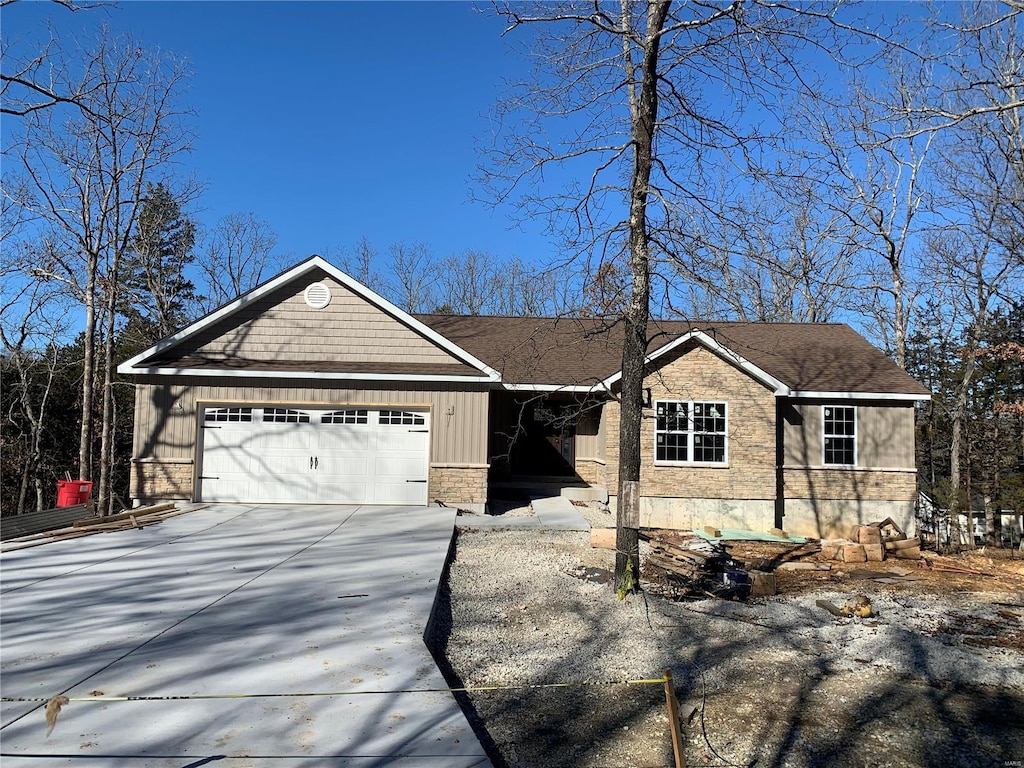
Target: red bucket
[{"x": 72, "y": 492}]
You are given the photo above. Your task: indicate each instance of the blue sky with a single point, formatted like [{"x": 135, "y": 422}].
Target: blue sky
[{"x": 332, "y": 120}]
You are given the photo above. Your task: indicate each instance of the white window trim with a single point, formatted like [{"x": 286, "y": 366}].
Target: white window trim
[
  {"x": 855, "y": 436},
  {"x": 690, "y": 433}
]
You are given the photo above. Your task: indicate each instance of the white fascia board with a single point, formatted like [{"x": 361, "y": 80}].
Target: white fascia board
[
  {"x": 722, "y": 351},
  {"x": 128, "y": 366},
  {"x": 571, "y": 388},
  {"x": 339, "y": 376},
  {"x": 857, "y": 396}
]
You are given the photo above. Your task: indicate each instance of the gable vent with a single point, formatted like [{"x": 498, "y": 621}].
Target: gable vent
[{"x": 317, "y": 295}]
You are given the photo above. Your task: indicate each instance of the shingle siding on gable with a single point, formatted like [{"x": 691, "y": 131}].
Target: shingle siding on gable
[{"x": 281, "y": 327}]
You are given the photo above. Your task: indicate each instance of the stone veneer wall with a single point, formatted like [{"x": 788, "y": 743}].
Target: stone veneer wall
[
  {"x": 701, "y": 375},
  {"x": 826, "y": 502},
  {"x": 852, "y": 483},
  {"x": 592, "y": 471},
  {"x": 153, "y": 479},
  {"x": 458, "y": 483}
]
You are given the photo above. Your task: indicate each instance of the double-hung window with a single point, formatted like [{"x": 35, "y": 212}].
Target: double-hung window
[
  {"x": 839, "y": 435},
  {"x": 690, "y": 431}
]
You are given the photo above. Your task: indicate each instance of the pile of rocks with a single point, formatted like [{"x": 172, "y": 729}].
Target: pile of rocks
[{"x": 872, "y": 543}]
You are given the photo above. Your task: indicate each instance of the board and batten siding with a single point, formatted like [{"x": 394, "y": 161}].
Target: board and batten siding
[
  {"x": 885, "y": 433},
  {"x": 166, "y": 417},
  {"x": 282, "y": 327},
  {"x": 590, "y": 435}
]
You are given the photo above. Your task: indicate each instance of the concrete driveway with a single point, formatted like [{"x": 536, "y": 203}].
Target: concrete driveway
[{"x": 233, "y": 599}]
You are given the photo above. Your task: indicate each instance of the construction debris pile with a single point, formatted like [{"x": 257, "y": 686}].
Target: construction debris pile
[
  {"x": 697, "y": 567},
  {"x": 873, "y": 542}
]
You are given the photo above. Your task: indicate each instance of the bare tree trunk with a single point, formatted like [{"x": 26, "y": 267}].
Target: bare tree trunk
[
  {"x": 644, "y": 115},
  {"x": 23, "y": 488},
  {"x": 899, "y": 320},
  {"x": 88, "y": 374},
  {"x": 103, "y": 497}
]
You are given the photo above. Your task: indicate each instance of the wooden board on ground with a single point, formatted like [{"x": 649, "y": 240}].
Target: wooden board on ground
[
  {"x": 137, "y": 512},
  {"x": 797, "y": 565}
]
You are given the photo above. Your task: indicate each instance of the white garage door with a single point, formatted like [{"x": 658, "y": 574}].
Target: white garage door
[{"x": 340, "y": 455}]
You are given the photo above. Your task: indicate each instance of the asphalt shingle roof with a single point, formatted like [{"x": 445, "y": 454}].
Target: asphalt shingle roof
[{"x": 808, "y": 357}]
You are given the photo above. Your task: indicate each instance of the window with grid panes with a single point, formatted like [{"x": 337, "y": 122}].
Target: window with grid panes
[
  {"x": 671, "y": 437},
  {"x": 690, "y": 432},
  {"x": 839, "y": 435},
  {"x": 401, "y": 417},
  {"x": 352, "y": 416},
  {"x": 228, "y": 414},
  {"x": 709, "y": 432},
  {"x": 285, "y": 416}
]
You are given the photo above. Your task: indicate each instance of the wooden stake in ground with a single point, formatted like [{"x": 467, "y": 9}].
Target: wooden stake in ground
[{"x": 673, "y": 720}]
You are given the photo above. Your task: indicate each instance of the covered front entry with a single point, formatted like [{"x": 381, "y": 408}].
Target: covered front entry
[{"x": 336, "y": 455}]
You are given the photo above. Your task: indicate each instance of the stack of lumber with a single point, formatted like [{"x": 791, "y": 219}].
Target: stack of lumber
[
  {"x": 692, "y": 560},
  {"x": 695, "y": 566},
  {"x": 873, "y": 542},
  {"x": 139, "y": 517}
]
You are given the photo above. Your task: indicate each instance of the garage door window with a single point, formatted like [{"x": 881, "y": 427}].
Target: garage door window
[
  {"x": 229, "y": 414},
  {"x": 285, "y": 416},
  {"x": 345, "y": 417},
  {"x": 401, "y": 417}
]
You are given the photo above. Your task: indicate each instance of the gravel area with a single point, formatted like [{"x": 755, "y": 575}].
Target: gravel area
[{"x": 932, "y": 680}]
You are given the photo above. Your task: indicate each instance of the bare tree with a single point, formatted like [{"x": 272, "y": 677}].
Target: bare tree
[
  {"x": 361, "y": 263},
  {"x": 414, "y": 277},
  {"x": 479, "y": 282},
  {"x": 237, "y": 255},
  {"x": 33, "y": 322},
  {"x": 958, "y": 94},
  {"x": 782, "y": 254},
  {"x": 82, "y": 170},
  {"x": 466, "y": 282},
  {"x": 30, "y": 84},
  {"x": 875, "y": 166},
  {"x": 976, "y": 253}
]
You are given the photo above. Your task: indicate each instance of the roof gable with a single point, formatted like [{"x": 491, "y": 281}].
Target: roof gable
[
  {"x": 271, "y": 330},
  {"x": 700, "y": 338},
  {"x": 573, "y": 354}
]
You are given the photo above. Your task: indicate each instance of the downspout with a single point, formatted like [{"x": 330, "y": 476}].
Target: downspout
[{"x": 780, "y": 457}]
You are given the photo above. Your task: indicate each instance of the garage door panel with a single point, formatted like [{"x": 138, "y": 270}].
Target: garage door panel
[
  {"x": 399, "y": 439},
  {"x": 285, "y": 445},
  {"x": 342, "y": 437},
  {"x": 399, "y": 493},
  {"x": 411, "y": 467},
  {"x": 228, "y": 447},
  {"x": 342, "y": 492},
  {"x": 284, "y": 489},
  {"x": 283, "y": 466},
  {"x": 330, "y": 468},
  {"x": 343, "y": 455}
]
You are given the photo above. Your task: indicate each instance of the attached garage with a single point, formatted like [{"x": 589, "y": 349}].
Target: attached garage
[
  {"x": 323, "y": 455},
  {"x": 311, "y": 389}
]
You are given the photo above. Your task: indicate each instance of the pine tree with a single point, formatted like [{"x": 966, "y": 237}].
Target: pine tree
[{"x": 158, "y": 296}]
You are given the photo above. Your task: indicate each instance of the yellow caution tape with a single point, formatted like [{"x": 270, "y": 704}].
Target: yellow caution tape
[{"x": 466, "y": 689}]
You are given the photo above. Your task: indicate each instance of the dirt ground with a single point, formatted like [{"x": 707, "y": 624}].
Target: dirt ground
[{"x": 935, "y": 678}]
